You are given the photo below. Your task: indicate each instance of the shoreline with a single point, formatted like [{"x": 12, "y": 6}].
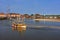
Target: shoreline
[{"x": 52, "y": 20}]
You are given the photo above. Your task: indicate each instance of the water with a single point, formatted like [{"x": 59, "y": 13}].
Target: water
[{"x": 35, "y": 31}]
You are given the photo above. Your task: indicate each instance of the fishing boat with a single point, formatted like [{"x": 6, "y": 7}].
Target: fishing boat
[{"x": 19, "y": 24}]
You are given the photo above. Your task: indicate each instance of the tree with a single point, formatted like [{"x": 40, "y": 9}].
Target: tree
[{"x": 32, "y": 14}]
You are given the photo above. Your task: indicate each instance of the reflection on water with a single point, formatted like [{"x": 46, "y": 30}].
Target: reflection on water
[
  {"x": 37, "y": 21},
  {"x": 34, "y": 31}
]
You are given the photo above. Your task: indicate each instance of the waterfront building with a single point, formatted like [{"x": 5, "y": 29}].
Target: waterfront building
[
  {"x": 26, "y": 15},
  {"x": 37, "y": 16},
  {"x": 52, "y": 16},
  {"x": 2, "y": 15},
  {"x": 13, "y": 15}
]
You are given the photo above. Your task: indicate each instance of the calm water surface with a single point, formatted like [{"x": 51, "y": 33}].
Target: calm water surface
[{"x": 35, "y": 31}]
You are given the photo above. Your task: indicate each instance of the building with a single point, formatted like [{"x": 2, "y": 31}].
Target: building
[
  {"x": 2, "y": 15},
  {"x": 27, "y": 16},
  {"x": 52, "y": 16},
  {"x": 38, "y": 16},
  {"x": 13, "y": 15}
]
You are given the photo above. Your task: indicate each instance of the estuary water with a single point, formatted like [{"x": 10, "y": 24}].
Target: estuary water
[{"x": 41, "y": 30}]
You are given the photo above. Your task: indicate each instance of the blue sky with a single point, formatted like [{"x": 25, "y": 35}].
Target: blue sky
[{"x": 31, "y": 6}]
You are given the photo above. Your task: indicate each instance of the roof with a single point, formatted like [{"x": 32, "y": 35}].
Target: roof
[
  {"x": 14, "y": 13},
  {"x": 2, "y": 14}
]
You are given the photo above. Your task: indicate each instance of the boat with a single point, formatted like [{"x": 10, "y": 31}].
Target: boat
[{"x": 19, "y": 24}]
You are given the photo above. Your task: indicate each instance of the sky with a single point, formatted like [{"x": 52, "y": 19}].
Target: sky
[{"x": 50, "y": 7}]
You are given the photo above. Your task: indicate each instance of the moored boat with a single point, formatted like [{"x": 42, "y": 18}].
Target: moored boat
[{"x": 19, "y": 24}]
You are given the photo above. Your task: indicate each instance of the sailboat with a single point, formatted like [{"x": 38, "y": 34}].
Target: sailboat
[{"x": 19, "y": 23}]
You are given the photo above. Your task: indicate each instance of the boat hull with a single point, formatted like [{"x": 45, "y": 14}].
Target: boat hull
[{"x": 19, "y": 26}]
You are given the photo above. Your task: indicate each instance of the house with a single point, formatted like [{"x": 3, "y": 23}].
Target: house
[
  {"x": 2, "y": 15},
  {"x": 26, "y": 15},
  {"x": 52, "y": 16},
  {"x": 38, "y": 16},
  {"x": 13, "y": 15}
]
